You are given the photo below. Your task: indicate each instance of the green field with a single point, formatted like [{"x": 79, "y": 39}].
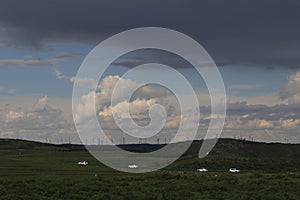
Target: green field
[{"x": 39, "y": 171}]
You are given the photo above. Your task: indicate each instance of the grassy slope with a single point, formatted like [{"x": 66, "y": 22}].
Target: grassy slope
[
  {"x": 251, "y": 149},
  {"x": 45, "y": 171}
]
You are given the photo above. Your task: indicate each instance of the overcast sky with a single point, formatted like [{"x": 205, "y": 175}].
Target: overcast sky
[{"x": 255, "y": 44}]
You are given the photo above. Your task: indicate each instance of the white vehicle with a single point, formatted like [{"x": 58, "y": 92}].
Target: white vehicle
[
  {"x": 202, "y": 170},
  {"x": 83, "y": 163},
  {"x": 234, "y": 170},
  {"x": 133, "y": 166}
]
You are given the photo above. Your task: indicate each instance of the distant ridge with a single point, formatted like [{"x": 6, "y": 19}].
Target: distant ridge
[
  {"x": 24, "y": 144},
  {"x": 241, "y": 148}
]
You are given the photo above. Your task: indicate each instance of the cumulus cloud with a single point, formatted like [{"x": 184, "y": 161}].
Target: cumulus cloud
[
  {"x": 85, "y": 109},
  {"x": 42, "y": 104},
  {"x": 243, "y": 119},
  {"x": 36, "y": 123},
  {"x": 13, "y": 115},
  {"x": 292, "y": 90},
  {"x": 259, "y": 124},
  {"x": 140, "y": 103},
  {"x": 137, "y": 108},
  {"x": 289, "y": 123},
  {"x": 105, "y": 90},
  {"x": 59, "y": 75},
  {"x": 104, "y": 94},
  {"x": 82, "y": 82},
  {"x": 262, "y": 122}
]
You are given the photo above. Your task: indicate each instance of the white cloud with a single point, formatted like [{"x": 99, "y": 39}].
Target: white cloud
[
  {"x": 137, "y": 107},
  {"x": 85, "y": 109},
  {"x": 42, "y": 103},
  {"x": 292, "y": 90},
  {"x": 269, "y": 99},
  {"x": 58, "y": 74},
  {"x": 13, "y": 115},
  {"x": 289, "y": 123},
  {"x": 106, "y": 88},
  {"x": 83, "y": 82},
  {"x": 140, "y": 103},
  {"x": 36, "y": 123},
  {"x": 259, "y": 124}
]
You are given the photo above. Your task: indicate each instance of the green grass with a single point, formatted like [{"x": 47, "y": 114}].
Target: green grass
[{"x": 50, "y": 172}]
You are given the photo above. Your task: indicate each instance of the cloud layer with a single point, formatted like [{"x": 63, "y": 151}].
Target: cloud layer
[
  {"x": 260, "y": 33},
  {"x": 258, "y": 121}
]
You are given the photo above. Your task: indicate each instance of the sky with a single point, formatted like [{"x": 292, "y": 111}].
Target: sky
[{"x": 255, "y": 44}]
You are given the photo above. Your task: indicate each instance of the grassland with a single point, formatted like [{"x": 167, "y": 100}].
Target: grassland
[{"x": 40, "y": 171}]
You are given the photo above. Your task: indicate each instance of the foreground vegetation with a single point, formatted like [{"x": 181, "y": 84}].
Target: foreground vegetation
[
  {"x": 37, "y": 171},
  {"x": 159, "y": 185}
]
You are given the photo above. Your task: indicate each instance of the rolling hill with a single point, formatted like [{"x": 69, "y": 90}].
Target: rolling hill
[{"x": 224, "y": 147}]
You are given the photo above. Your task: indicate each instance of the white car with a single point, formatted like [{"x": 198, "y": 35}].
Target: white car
[
  {"x": 202, "y": 170},
  {"x": 83, "y": 163},
  {"x": 234, "y": 170},
  {"x": 133, "y": 166}
]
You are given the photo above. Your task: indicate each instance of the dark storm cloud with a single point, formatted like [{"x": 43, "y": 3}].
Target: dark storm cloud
[
  {"x": 68, "y": 55},
  {"x": 144, "y": 56},
  {"x": 251, "y": 32},
  {"x": 37, "y": 62}
]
